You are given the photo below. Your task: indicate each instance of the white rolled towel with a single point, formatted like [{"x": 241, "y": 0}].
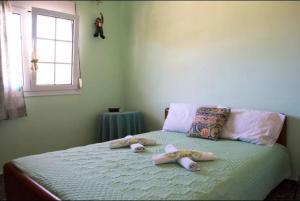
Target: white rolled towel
[
  {"x": 202, "y": 156},
  {"x": 143, "y": 141},
  {"x": 189, "y": 164},
  {"x": 185, "y": 162},
  {"x": 175, "y": 155},
  {"x": 114, "y": 144},
  {"x": 146, "y": 141},
  {"x": 128, "y": 140},
  {"x": 137, "y": 147},
  {"x": 163, "y": 158}
]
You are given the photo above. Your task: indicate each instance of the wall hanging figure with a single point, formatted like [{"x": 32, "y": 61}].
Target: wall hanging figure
[{"x": 99, "y": 26}]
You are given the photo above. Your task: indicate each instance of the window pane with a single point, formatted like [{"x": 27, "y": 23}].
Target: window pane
[
  {"x": 45, "y": 50},
  {"x": 14, "y": 40},
  {"x": 63, "y": 74},
  {"x": 45, "y": 27},
  {"x": 15, "y": 50},
  {"x": 45, "y": 74},
  {"x": 14, "y": 26},
  {"x": 64, "y": 29},
  {"x": 64, "y": 52}
]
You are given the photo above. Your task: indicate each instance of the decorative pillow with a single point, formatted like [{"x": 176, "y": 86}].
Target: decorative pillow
[
  {"x": 208, "y": 122},
  {"x": 257, "y": 127},
  {"x": 180, "y": 117}
]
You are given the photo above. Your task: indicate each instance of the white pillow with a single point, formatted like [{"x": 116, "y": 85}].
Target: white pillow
[
  {"x": 253, "y": 126},
  {"x": 180, "y": 117}
]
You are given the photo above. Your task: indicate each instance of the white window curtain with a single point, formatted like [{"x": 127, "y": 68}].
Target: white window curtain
[{"x": 12, "y": 103}]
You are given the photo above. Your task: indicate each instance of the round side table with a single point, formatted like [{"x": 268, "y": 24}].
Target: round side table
[{"x": 114, "y": 125}]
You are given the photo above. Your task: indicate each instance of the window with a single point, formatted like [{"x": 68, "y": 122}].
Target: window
[{"x": 53, "y": 53}]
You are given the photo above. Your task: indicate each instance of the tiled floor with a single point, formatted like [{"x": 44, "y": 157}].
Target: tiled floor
[{"x": 287, "y": 190}]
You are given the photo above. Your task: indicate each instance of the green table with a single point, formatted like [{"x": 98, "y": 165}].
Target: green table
[{"x": 114, "y": 125}]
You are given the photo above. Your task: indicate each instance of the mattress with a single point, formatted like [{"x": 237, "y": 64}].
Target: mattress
[{"x": 241, "y": 171}]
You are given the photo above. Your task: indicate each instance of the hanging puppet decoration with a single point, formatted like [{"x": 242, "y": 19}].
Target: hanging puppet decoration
[{"x": 99, "y": 26}]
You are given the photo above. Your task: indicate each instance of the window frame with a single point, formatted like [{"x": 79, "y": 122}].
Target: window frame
[
  {"x": 28, "y": 33},
  {"x": 75, "y": 62}
]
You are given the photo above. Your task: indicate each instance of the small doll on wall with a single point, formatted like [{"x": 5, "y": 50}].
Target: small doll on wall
[{"x": 99, "y": 26}]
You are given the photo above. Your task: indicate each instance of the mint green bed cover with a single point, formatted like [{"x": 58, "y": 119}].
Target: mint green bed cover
[{"x": 241, "y": 171}]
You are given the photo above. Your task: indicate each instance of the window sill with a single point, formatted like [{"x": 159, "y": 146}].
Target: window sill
[{"x": 51, "y": 93}]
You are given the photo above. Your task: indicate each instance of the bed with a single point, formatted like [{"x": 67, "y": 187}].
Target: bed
[{"x": 241, "y": 171}]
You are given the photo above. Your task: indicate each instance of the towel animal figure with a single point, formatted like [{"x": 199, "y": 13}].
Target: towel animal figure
[
  {"x": 185, "y": 158},
  {"x": 136, "y": 144}
]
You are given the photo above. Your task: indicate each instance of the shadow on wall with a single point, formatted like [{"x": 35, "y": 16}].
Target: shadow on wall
[{"x": 152, "y": 122}]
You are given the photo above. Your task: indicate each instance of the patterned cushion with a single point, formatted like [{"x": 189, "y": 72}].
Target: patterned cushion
[{"x": 208, "y": 122}]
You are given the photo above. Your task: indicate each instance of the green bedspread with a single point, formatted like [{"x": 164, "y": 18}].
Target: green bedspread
[{"x": 241, "y": 171}]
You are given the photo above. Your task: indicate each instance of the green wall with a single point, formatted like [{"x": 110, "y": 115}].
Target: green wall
[
  {"x": 239, "y": 54},
  {"x": 58, "y": 122}
]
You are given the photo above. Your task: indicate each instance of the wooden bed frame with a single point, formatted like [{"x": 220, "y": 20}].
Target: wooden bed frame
[{"x": 19, "y": 186}]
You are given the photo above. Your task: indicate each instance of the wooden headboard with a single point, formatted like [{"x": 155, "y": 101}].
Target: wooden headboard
[{"x": 281, "y": 139}]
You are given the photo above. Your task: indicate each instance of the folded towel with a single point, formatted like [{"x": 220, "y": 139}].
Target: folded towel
[
  {"x": 175, "y": 155},
  {"x": 163, "y": 158},
  {"x": 129, "y": 140},
  {"x": 189, "y": 164},
  {"x": 118, "y": 144},
  {"x": 137, "y": 147},
  {"x": 202, "y": 156},
  {"x": 185, "y": 162}
]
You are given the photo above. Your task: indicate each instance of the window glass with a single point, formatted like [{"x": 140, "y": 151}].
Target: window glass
[
  {"x": 45, "y": 50},
  {"x": 15, "y": 50},
  {"x": 63, "y": 52},
  {"x": 63, "y": 74},
  {"x": 64, "y": 29},
  {"x": 45, "y": 74},
  {"x": 54, "y": 50},
  {"x": 45, "y": 27}
]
